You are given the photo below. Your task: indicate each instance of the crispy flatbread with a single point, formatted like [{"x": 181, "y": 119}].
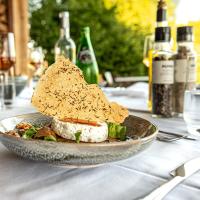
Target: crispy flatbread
[{"x": 63, "y": 93}]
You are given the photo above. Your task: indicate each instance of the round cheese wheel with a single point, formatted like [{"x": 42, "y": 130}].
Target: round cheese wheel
[{"x": 89, "y": 133}]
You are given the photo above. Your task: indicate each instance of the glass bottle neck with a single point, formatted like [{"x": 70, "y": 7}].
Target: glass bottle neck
[
  {"x": 161, "y": 15},
  {"x": 85, "y": 35},
  {"x": 64, "y": 32}
]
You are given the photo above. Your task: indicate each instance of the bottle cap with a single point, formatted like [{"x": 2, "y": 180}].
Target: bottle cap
[
  {"x": 163, "y": 34},
  {"x": 185, "y": 33}
]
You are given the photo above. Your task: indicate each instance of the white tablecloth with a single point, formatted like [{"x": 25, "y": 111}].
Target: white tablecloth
[{"x": 129, "y": 179}]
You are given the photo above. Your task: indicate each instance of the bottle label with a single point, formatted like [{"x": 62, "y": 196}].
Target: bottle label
[
  {"x": 163, "y": 72},
  {"x": 192, "y": 69},
  {"x": 85, "y": 57},
  {"x": 181, "y": 70}
]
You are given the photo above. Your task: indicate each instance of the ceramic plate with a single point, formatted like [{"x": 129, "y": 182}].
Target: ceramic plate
[{"x": 141, "y": 132}]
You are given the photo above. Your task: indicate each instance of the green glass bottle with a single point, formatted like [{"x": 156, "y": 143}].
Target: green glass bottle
[{"x": 86, "y": 59}]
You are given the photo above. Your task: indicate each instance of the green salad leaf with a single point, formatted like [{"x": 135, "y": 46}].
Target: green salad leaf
[
  {"x": 78, "y": 135},
  {"x": 28, "y": 134},
  {"x": 117, "y": 131},
  {"x": 50, "y": 138}
]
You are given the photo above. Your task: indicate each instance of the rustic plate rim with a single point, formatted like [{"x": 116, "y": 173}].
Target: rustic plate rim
[{"x": 111, "y": 144}]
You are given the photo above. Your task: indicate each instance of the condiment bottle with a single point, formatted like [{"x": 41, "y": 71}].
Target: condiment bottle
[
  {"x": 185, "y": 66},
  {"x": 162, "y": 74},
  {"x": 161, "y": 21}
]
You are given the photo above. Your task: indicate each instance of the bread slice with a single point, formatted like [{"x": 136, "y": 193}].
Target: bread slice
[{"x": 63, "y": 93}]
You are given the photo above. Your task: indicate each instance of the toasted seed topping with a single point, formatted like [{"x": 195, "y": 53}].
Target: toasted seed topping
[{"x": 63, "y": 93}]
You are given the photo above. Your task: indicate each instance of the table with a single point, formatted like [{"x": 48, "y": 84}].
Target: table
[{"x": 129, "y": 179}]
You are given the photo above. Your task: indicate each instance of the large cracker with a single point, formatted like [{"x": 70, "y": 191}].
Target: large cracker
[{"x": 63, "y": 93}]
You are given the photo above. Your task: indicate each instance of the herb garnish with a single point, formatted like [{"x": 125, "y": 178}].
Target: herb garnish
[
  {"x": 50, "y": 138},
  {"x": 28, "y": 134},
  {"x": 117, "y": 131},
  {"x": 78, "y": 135}
]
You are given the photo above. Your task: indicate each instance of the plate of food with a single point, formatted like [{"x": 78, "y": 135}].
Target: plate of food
[{"x": 75, "y": 124}]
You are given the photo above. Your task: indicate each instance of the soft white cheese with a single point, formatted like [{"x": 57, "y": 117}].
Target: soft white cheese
[{"x": 88, "y": 133}]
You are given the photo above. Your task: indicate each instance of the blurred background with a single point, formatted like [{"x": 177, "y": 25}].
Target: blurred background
[{"x": 118, "y": 28}]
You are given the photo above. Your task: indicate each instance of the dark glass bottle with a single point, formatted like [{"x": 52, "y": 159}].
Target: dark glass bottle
[{"x": 86, "y": 59}]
